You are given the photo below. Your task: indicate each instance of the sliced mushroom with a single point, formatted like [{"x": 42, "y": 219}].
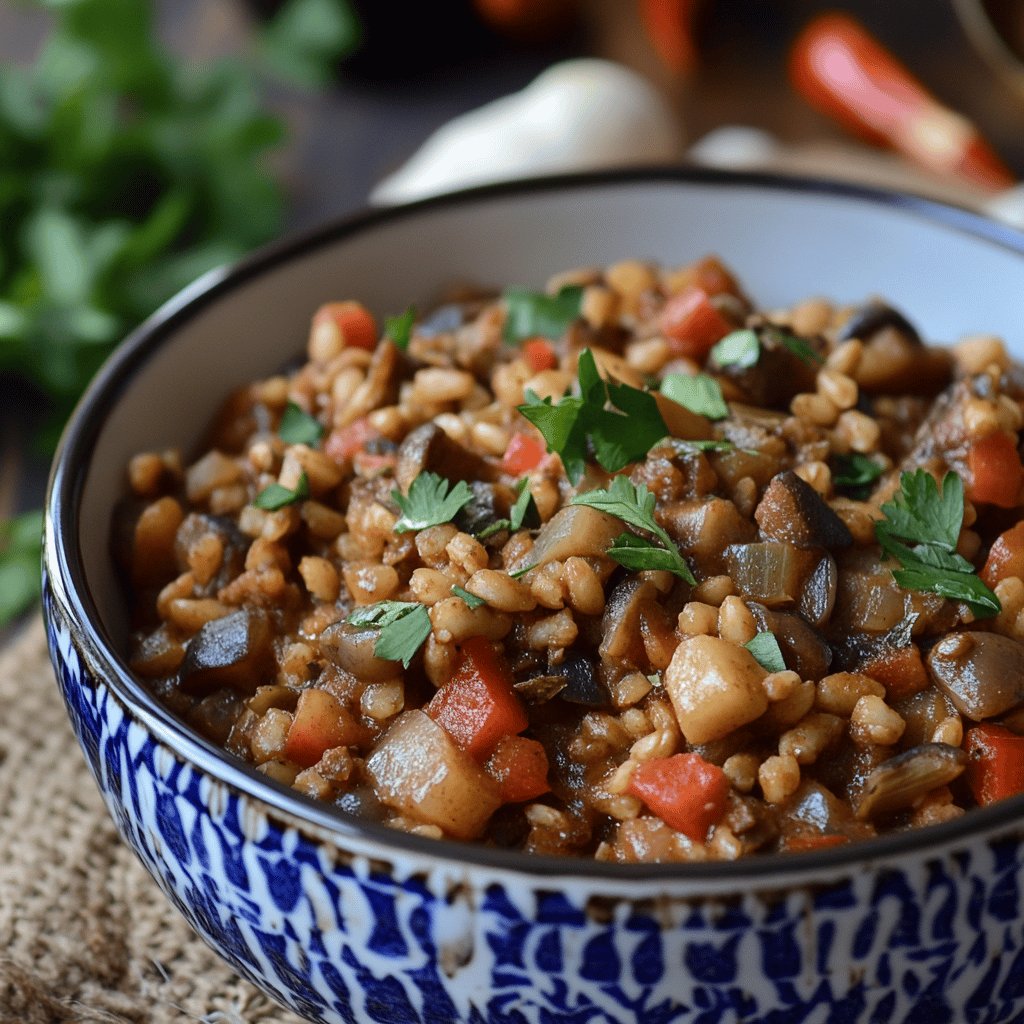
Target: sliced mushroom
[
  {"x": 235, "y": 651},
  {"x": 351, "y": 648},
  {"x": 983, "y": 673},
  {"x": 803, "y": 649},
  {"x": 897, "y": 783},
  {"x": 791, "y": 510},
  {"x": 429, "y": 448}
]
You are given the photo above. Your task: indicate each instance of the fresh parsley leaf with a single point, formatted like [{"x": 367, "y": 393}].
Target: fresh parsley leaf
[
  {"x": 741, "y": 349},
  {"x": 928, "y": 518},
  {"x": 404, "y": 627},
  {"x": 800, "y": 347},
  {"x": 697, "y": 392},
  {"x": 20, "y": 546},
  {"x": 431, "y": 501},
  {"x": 298, "y": 427},
  {"x": 576, "y": 426},
  {"x": 471, "y": 599},
  {"x": 635, "y": 506},
  {"x": 765, "y": 649},
  {"x": 399, "y": 328},
  {"x": 855, "y": 470},
  {"x": 536, "y": 314},
  {"x": 523, "y": 513},
  {"x": 278, "y": 496}
]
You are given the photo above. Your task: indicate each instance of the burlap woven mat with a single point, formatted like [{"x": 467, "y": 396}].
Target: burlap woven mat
[{"x": 85, "y": 934}]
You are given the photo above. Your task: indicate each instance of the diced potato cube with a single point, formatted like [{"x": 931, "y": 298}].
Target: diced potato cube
[{"x": 715, "y": 687}]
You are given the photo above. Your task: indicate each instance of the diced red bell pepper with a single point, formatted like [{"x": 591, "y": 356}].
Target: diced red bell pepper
[
  {"x": 478, "y": 705},
  {"x": 685, "y": 791},
  {"x": 354, "y": 323},
  {"x": 901, "y": 672},
  {"x": 343, "y": 442},
  {"x": 524, "y": 453},
  {"x": 996, "y": 767},
  {"x": 1005, "y": 557},
  {"x": 995, "y": 471},
  {"x": 321, "y": 722},
  {"x": 520, "y": 767},
  {"x": 539, "y": 355},
  {"x": 691, "y": 323}
]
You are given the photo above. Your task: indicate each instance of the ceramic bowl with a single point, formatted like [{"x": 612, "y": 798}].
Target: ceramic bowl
[{"x": 343, "y": 920}]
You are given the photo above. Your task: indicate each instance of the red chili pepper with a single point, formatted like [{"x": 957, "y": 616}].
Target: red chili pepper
[
  {"x": 477, "y": 705},
  {"x": 344, "y": 442},
  {"x": 685, "y": 791},
  {"x": 520, "y": 767},
  {"x": 1005, "y": 557},
  {"x": 524, "y": 453},
  {"x": 692, "y": 324},
  {"x": 995, "y": 471},
  {"x": 320, "y": 722},
  {"x": 996, "y": 768},
  {"x": 539, "y": 355},
  {"x": 352, "y": 320},
  {"x": 844, "y": 72}
]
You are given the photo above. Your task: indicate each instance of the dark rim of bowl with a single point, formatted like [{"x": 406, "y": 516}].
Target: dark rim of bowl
[{"x": 64, "y": 564}]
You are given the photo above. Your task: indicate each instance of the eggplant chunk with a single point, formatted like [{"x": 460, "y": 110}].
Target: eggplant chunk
[
  {"x": 703, "y": 529},
  {"x": 791, "y": 510},
  {"x": 575, "y": 530},
  {"x": 622, "y": 639},
  {"x": 233, "y": 542},
  {"x": 803, "y": 649},
  {"x": 235, "y": 651},
  {"x": 430, "y": 449},
  {"x": 819, "y": 594},
  {"x": 771, "y": 572},
  {"x": 897, "y": 783},
  {"x": 351, "y": 649},
  {"x": 983, "y": 673},
  {"x": 780, "y": 372}
]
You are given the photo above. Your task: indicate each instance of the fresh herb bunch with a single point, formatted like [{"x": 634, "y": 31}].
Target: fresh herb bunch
[{"x": 124, "y": 174}]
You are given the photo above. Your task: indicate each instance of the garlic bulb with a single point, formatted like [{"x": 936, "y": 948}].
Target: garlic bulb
[{"x": 577, "y": 115}]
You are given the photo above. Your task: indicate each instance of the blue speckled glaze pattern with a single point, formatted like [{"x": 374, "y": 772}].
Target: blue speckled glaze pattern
[{"x": 371, "y": 934}]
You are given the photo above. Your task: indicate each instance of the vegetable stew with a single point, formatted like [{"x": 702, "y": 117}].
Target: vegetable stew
[{"x": 624, "y": 569}]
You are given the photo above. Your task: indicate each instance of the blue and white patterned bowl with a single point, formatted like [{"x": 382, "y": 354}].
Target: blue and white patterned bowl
[{"x": 344, "y": 920}]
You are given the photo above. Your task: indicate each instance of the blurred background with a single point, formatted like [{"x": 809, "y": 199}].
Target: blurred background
[{"x": 143, "y": 142}]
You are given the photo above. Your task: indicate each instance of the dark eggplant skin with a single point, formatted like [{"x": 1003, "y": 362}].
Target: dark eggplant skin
[
  {"x": 870, "y": 318},
  {"x": 235, "y": 651},
  {"x": 791, "y": 510},
  {"x": 982, "y": 673}
]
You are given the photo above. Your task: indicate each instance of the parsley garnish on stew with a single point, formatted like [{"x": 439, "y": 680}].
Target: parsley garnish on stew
[
  {"x": 523, "y": 513},
  {"x": 431, "y": 501},
  {"x": 538, "y": 315},
  {"x": 635, "y": 506},
  {"x": 855, "y": 471},
  {"x": 740, "y": 349},
  {"x": 698, "y": 392},
  {"x": 920, "y": 531},
  {"x": 298, "y": 427},
  {"x": 278, "y": 496},
  {"x": 399, "y": 328},
  {"x": 575, "y": 427},
  {"x": 404, "y": 627},
  {"x": 471, "y": 599},
  {"x": 765, "y": 649}
]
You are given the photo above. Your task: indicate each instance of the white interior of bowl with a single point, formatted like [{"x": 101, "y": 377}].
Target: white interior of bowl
[{"x": 784, "y": 244}]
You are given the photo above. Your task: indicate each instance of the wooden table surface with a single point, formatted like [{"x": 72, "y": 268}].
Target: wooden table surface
[{"x": 345, "y": 139}]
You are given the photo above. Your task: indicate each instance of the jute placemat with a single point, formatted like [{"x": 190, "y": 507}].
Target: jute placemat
[{"x": 85, "y": 934}]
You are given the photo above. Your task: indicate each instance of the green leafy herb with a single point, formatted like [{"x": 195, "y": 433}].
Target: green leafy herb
[
  {"x": 399, "y": 328},
  {"x": 298, "y": 427},
  {"x": 404, "y": 627},
  {"x": 575, "y": 427},
  {"x": 471, "y": 599},
  {"x": 278, "y": 496},
  {"x": 304, "y": 41},
  {"x": 20, "y": 544},
  {"x": 431, "y": 501},
  {"x": 798, "y": 346},
  {"x": 519, "y": 573},
  {"x": 635, "y": 506},
  {"x": 523, "y": 513},
  {"x": 697, "y": 392},
  {"x": 741, "y": 349},
  {"x": 855, "y": 471},
  {"x": 929, "y": 519},
  {"x": 535, "y": 314},
  {"x": 765, "y": 649}
]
